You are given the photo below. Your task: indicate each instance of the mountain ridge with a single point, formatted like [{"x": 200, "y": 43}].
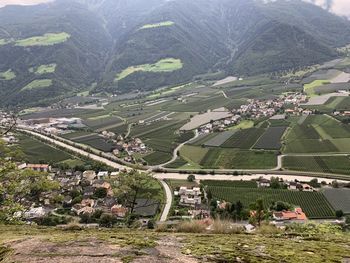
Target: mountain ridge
[{"x": 234, "y": 37}]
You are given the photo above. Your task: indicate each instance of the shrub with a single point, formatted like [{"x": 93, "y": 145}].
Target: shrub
[
  {"x": 191, "y": 227},
  {"x": 225, "y": 227}
]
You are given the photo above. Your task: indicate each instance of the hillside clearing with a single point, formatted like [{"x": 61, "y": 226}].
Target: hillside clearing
[
  {"x": 7, "y": 75},
  {"x": 45, "y": 69},
  {"x": 47, "y": 39},
  {"x": 160, "y": 24},
  {"x": 163, "y": 65},
  {"x": 38, "y": 84}
]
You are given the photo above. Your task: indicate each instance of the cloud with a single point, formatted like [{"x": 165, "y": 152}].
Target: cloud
[
  {"x": 339, "y": 7},
  {"x": 22, "y": 2}
]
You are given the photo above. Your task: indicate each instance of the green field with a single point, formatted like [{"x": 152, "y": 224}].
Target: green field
[
  {"x": 314, "y": 204},
  {"x": 163, "y": 65},
  {"x": 244, "y": 139},
  {"x": 246, "y": 124},
  {"x": 220, "y": 158},
  {"x": 318, "y": 164},
  {"x": 36, "y": 151},
  {"x": 309, "y": 88},
  {"x": 7, "y": 75},
  {"x": 318, "y": 133},
  {"x": 160, "y": 24},
  {"x": 233, "y": 184},
  {"x": 48, "y": 39},
  {"x": 38, "y": 84},
  {"x": 44, "y": 69}
]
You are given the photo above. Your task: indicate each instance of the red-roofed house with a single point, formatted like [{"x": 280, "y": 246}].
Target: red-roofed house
[{"x": 297, "y": 214}]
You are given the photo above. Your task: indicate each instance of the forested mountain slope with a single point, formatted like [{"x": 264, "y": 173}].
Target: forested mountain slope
[{"x": 123, "y": 45}]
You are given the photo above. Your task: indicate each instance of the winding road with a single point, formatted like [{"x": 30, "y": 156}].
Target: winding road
[
  {"x": 177, "y": 149},
  {"x": 180, "y": 176}
]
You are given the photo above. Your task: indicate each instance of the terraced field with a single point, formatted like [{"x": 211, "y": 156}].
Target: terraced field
[
  {"x": 38, "y": 84},
  {"x": 314, "y": 204}
]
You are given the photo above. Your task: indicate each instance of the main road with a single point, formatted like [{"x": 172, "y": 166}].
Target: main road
[{"x": 161, "y": 176}]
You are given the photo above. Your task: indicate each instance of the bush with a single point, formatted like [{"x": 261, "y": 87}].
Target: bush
[
  {"x": 191, "y": 178},
  {"x": 191, "y": 227},
  {"x": 339, "y": 213},
  {"x": 225, "y": 227}
]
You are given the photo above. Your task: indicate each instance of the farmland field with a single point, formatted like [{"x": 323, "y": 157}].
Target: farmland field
[
  {"x": 244, "y": 139},
  {"x": 309, "y": 88},
  {"x": 162, "y": 137},
  {"x": 234, "y": 184},
  {"x": 314, "y": 204},
  {"x": 163, "y": 65},
  {"x": 7, "y": 75},
  {"x": 338, "y": 198},
  {"x": 320, "y": 164},
  {"x": 59, "y": 113},
  {"x": 318, "y": 133},
  {"x": 100, "y": 123},
  {"x": 219, "y": 139},
  {"x": 234, "y": 159},
  {"x": 36, "y": 151},
  {"x": 96, "y": 142},
  {"x": 38, "y": 84},
  {"x": 271, "y": 139},
  {"x": 160, "y": 24},
  {"x": 48, "y": 39}
]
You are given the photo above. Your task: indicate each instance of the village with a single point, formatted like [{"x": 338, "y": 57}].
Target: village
[{"x": 85, "y": 196}]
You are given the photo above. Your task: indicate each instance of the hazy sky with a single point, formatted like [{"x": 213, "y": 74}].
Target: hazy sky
[{"x": 340, "y": 7}]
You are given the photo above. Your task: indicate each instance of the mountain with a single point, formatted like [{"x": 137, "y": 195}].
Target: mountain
[{"x": 122, "y": 45}]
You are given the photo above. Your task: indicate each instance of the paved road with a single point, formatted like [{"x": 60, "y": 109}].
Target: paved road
[
  {"x": 177, "y": 149},
  {"x": 223, "y": 177},
  {"x": 169, "y": 200}
]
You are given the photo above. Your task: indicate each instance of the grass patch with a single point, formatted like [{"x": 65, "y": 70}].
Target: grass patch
[
  {"x": 160, "y": 24},
  {"x": 309, "y": 88},
  {"x": 4, "y": 42},
  {"x": 48, "y": 39},
  {"x": 7, "y": 75},
  {"x": 246, "y": 124},
  {"x": 163, "y": 65},
  {"x": 38, "y": 84},
  {"x": 45, "y": 69}
]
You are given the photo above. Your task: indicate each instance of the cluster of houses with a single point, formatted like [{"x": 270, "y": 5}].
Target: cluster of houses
[
  {"x": 78, "y": 191},
  {"x": 290, "y": 185},
  {"x": 219, "y": 125},
  {"x": 127, "y": 148}
]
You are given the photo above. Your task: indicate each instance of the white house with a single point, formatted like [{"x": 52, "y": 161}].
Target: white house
[{"x": 102, "y": 175}]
